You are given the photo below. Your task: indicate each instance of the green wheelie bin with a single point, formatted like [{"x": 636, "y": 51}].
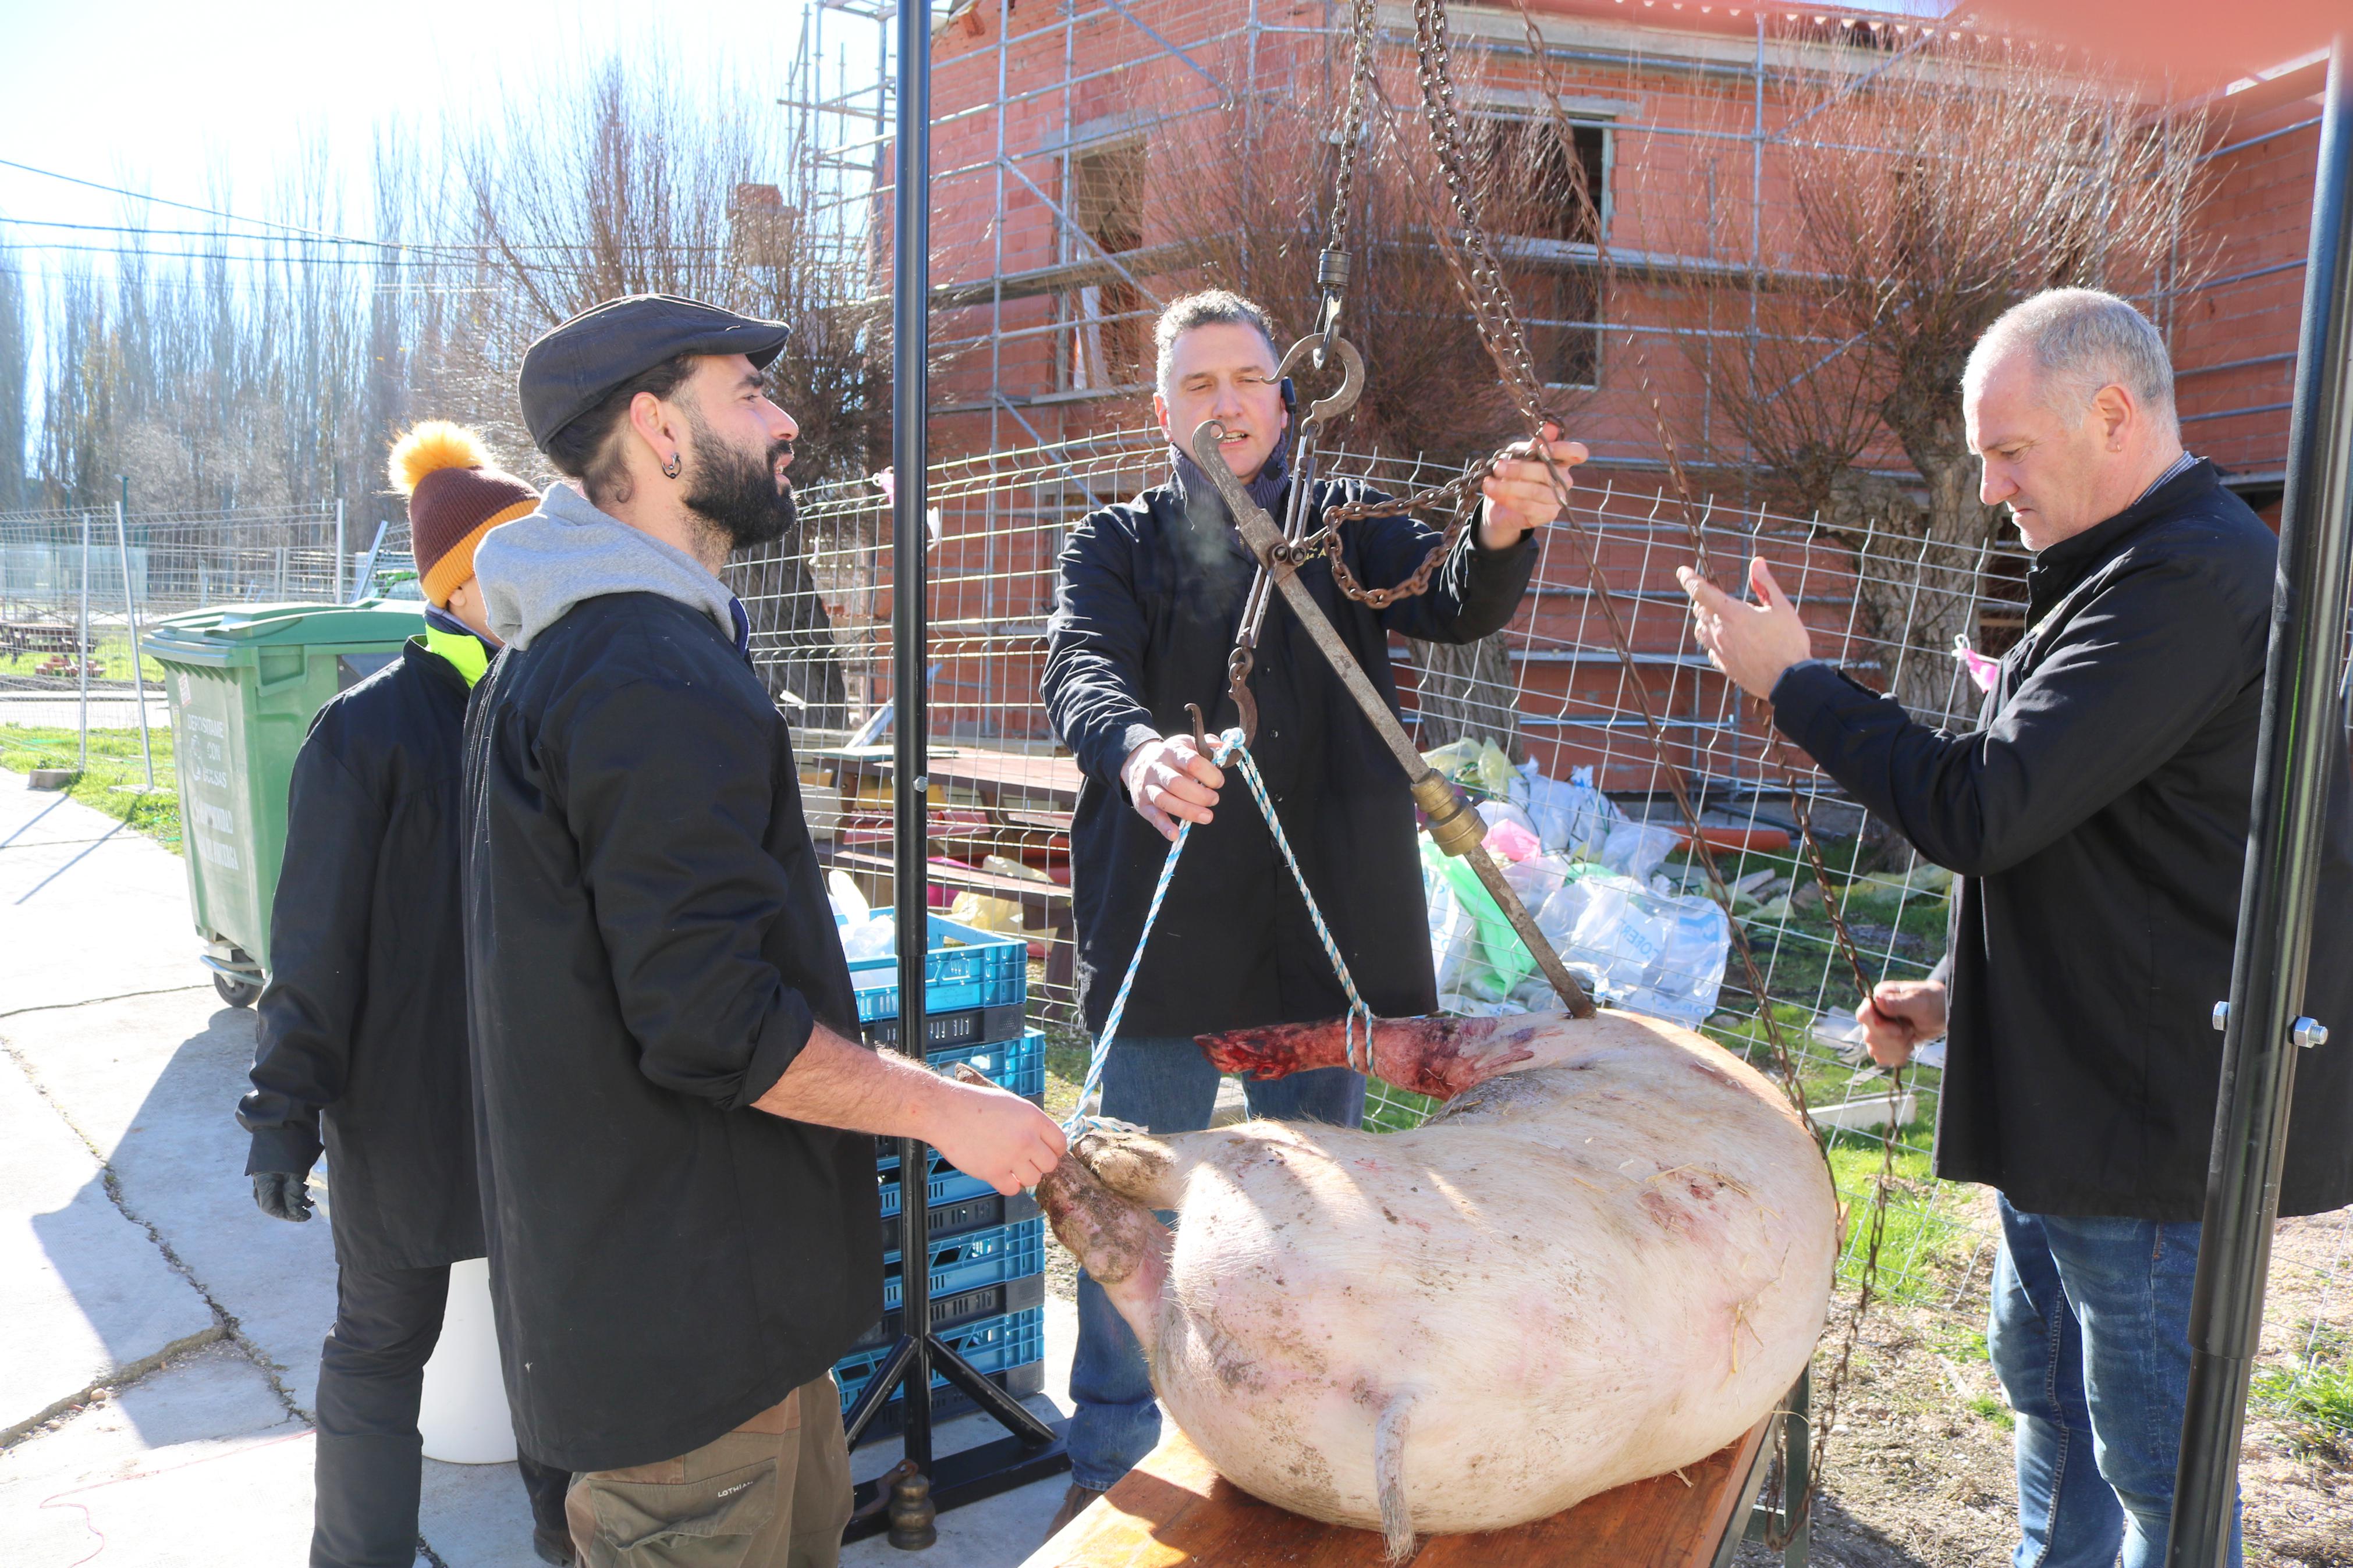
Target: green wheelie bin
[{"x": 244, "y": 682}]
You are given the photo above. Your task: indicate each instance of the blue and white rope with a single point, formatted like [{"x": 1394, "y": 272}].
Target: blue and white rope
[{"x": 1230, "y": 746}]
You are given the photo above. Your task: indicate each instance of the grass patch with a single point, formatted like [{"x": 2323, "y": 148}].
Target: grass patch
[
  {"x": 112, "y": 657},
  {"x": 113, "y": 777},
  {"x": 2315, "y": 1401},
  {"x": 1986, "y": 1407},
  {"x": 1923, "y": 1232}
]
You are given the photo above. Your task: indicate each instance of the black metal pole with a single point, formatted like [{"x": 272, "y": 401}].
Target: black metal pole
[
  {"x": 2303, "y": 728},
  {"x": 911, "y": 210},
  {"x": 1035, "y": 1449}
]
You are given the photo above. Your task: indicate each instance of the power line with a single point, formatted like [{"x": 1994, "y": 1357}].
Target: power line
[{"x": 321, "y": 235}]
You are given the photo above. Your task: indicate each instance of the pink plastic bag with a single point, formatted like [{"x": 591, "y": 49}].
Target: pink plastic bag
[
  {"x": 1983, "y": 671},
  {"x": 1511, "y": 842}
]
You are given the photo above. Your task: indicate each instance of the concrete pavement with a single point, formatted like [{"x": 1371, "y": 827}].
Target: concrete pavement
[{"x": 164, "y": 1334}]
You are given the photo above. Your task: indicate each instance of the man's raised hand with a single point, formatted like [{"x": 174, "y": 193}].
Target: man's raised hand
[
  {"x": 1170, "y": 780},
  {"x": 1519, "y": 495},
  {"x": 1751, "y": 644}
]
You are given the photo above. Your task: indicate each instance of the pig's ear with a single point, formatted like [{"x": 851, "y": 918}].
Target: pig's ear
[{"x": 1388, "y": 1476}]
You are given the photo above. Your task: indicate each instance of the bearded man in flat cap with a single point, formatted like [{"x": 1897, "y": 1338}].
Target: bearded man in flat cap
[{"x": 679, "y": 1189}]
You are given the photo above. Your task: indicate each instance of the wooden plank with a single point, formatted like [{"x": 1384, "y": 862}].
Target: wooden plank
[{"x": 1174, "y": 1511}]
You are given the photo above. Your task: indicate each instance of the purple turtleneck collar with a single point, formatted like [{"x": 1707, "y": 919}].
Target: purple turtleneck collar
[{"x": 1266, "y": 490}]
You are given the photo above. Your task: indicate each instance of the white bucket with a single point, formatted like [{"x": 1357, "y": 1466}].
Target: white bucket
[{"x": 464, "y": 1418}]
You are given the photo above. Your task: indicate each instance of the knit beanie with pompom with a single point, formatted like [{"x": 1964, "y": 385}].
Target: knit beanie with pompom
[{"x": 454, "y": 497}]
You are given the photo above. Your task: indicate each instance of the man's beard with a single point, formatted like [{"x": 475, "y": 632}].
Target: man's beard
[{"x": 738, "y": 492}]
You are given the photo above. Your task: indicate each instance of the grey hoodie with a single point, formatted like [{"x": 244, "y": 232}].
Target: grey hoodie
[{"x": 535, "y": 569}]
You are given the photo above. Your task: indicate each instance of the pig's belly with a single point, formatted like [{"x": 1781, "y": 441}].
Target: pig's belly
[{"x": 1569, "y": 1304}]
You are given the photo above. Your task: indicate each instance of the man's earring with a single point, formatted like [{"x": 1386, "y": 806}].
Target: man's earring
[{"x": 669, "y": 470}]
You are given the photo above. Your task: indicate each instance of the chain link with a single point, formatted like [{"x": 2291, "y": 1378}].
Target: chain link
[{"x": 1501, "y": 331}]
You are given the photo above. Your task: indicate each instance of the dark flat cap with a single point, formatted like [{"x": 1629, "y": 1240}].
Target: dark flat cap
[{"x": 568, "y": 371}]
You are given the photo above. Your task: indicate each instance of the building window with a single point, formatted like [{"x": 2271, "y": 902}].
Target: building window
[
  {"x": 1553, "y": 189},
  {"x": 1103, "y": 195}
]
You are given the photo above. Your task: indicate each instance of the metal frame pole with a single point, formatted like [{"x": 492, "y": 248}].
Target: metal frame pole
[
  {"x": 2302, "y": 734},
  {"x": 81, "y": 659},
  {"x": 131, "y": 616},
  {"x": 337, "y": 596},
  {"x": 921, "y": 1486},
  {"x": 911, "y": 209}
]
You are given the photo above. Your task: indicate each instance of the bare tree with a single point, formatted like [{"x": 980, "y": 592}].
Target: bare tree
[
  {"x": 15, "y": 384},
  {"x": 1922, "y": 201},
  {"x": 627, "y": 186}
]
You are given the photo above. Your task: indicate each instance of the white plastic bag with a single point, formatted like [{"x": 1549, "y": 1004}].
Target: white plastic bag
[
  {"x": 1572, "y": 818},
  {"x": 1650, "y": 953},
  {"x": 864, "y": 933}
]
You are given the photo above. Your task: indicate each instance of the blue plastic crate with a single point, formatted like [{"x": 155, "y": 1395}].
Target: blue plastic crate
[
  {"x": 948, "y": 1185},
  {"x": 1017, "y": 1065},
  {"x": 963, "y": 968},
  {"x": 993, "y": 1346},
  {"x": 974, "y": 1258}
]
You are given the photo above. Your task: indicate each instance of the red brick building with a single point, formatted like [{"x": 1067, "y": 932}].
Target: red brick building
[{"x": 1085, "y": 153}]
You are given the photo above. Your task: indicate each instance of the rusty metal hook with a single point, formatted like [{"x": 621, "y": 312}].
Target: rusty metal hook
[
  {"x": 1200, "y": 730},
  {"x": 1324, "y": 410}
]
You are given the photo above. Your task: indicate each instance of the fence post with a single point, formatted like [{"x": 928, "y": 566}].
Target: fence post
[
  {"x": 337, "y": 596},
  {"x": 81, "y": 659},
  {"x": 131, "y": 616}
]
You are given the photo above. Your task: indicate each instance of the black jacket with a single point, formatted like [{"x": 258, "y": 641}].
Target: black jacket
[
  {"x": 1147, "y": 605},
  {"x": 649, "y": 941},
  {"x": 2099, "y": 818},
  {"x": 361, "y": 1032}
]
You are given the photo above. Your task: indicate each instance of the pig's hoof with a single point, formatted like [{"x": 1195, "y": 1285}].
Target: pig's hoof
[{"x": 1132, "y": 1165}]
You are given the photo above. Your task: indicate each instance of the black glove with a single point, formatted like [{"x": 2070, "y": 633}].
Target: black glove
[{"x": 282, "y": 1195}]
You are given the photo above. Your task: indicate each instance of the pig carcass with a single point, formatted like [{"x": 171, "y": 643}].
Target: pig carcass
[{"x": 1607, "y": 1255}]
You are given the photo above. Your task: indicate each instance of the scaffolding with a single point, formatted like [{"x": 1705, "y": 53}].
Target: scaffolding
[{"x": 1043, "y": 279}]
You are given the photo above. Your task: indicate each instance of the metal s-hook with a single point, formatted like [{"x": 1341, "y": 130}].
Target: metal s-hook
[{"x": 1324, "y": 410}]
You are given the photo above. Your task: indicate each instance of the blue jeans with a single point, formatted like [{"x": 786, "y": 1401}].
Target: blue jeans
[
  {"x": 2089, "y": 1333},
  {"x": 1165, "y": 1086}
]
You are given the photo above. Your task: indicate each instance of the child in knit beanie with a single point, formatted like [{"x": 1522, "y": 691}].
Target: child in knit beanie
[{"x": 454, "y": 497}]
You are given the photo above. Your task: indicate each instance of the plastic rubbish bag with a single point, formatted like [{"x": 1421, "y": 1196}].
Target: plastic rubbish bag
[
  {"x": 1481, "y": 764},
  {"x": 1475, "y": 952},
  {"x": 1576, "y": 819},
  {"x": 982, "y": 912},
  {"x": 1511, "y": 836},
  {"x": 1648, "y": 953},
  {"x": 1572, "y": 818},
  {"x": 864, "y": 933}
]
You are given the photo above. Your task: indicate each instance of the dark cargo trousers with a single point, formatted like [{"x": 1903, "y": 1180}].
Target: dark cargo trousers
[
  {"x": 370, "y": 1381},
  {"x": 772, "y": 1493}
]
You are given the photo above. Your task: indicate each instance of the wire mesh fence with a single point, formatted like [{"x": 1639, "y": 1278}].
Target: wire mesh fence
[
  {"x": 1563, "y": 711},
  {"x": 74, "y": 585}
]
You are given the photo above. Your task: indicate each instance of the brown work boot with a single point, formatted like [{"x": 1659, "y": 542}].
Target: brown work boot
[{"x": 1074, "y": 1503}]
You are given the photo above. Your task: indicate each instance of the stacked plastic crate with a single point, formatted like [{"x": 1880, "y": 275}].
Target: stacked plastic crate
[{"x": 988, "y": 1251}]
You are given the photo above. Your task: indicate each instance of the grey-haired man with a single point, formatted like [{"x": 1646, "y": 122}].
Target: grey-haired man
[{"x": 2098, "y": 815}]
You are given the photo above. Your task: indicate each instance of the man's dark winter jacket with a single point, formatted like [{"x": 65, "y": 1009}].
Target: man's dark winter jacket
[
  {"x": 649, "y": 943},
  {"x": 360, "y": 1035},
  {"x": 2099, "y": 817},
  {"x": 1145, "y": 608}
]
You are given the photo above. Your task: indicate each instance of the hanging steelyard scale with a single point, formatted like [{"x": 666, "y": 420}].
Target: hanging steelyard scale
[
  {"x": 1281, "y": 553},
  {"x": 1458, "y": 830}
]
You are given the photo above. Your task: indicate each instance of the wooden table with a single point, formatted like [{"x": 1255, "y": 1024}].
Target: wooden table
[{"x": 1175, "y": 1511}]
